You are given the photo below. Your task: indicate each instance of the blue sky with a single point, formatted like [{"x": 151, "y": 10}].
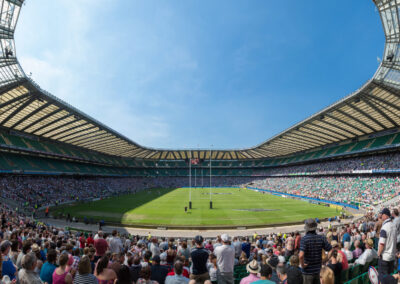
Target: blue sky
[{"x": 188, "y": 74}]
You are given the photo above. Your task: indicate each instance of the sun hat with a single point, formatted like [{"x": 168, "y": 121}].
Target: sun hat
[
  {"x": 310, "y": 225},
  {"x": 253, "y": 267},
  {"x": 334, "y": 244}
]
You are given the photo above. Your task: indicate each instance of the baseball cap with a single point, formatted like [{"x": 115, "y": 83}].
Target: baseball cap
[
  {"x": 225, "y": 237},
  {"x": 385, "y": 211},
  {"x": 198, "y": 239}
]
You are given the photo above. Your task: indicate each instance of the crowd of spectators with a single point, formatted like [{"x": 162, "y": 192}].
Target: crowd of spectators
[
  {"x": 35, "y": 253},
  {"x": 347, "y": 189},
  {"x": 389, "y": 161}
]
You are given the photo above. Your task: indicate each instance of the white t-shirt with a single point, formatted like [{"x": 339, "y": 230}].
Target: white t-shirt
[
  {"x": 388, "y": 237},
  {"x": 225, "y": 258}
]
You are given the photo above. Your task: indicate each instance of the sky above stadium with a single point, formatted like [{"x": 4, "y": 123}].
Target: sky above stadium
[{"x": 190, "y": 74}]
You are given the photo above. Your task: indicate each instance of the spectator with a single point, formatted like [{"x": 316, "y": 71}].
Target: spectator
[
  {"x": 123, "y": 276},
  {"x": 158, "y": 272},
  {"x": 368, "y": 255},
  {"x": 327, "y": 276},
  {"x": 27, "y": 274},
  {"x": 8, "y": 267},
  {"x": 60, "y": 274},
  {"x": 253, "y": 269},
  {"x": 387, "y": 245},
  {"x": 104, "y": 274},
  {"x": 145, "y": 276},
  {"x": 46, "y": 273},
  {"x": 294, "y": 275},
  {"x": 134, "y": 268},
  {"x": 225, "y": 259},
  {"x": 266, "y": 273},
  {"x": 177, "y": 278},
  {"x": 100, "y": 245},
  {"x": 199, "y": 259},
  {"x": 311, "y": 247},
  {"x": 84, "y": 274},
  {"x": 115, "y": 243},
  {"x": 281, "y": 271}
]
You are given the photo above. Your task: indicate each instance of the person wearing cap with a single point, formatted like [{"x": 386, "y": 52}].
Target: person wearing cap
[
  {"x": 368, "y": 255},
  {"x": 253, "y": 268},
  {"x": 158, "y": 272},
  {"x": 199, "y": 257},
  {"x": 8, "y": 267},
  {"x": 310, "y": 255},
  {"x": 387, "y": 245},
  {"x": 225, "y": 260}
]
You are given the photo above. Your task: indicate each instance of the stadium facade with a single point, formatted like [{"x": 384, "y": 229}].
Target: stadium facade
[{"x": 39, "y": 133}]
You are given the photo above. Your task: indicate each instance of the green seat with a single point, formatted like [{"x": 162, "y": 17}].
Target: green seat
[
  {"x": 344, "y": 275},
  {"x": 355, "y": 271}
]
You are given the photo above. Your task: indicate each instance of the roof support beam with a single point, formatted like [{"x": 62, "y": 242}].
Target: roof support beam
[
  {"x": 346, "y": 123},
  {"x": 325, "y": 140},
  {"x": 356, "y": 119},
  {"x": 30, "y": 114},
  {"x": 16, "y": 99},
  {"x": 41, "y": 119},
  {"x": 51, "y": 122},
  {"x": 372, "y": 105},
  {"x": 61, "y": 126},
  {"x": 334, "y": 139},
  {"x": 367, "y": 115},
  {"x": 330, "y": 130},
  {"x": 17, "y": 110},
  {"x": 94, "y": 128},
  {"x": 70, "y": 129},
  {"x": 381, "y": 101},
  {"x": 95, "y": 139},
  {"x": 86, "y": 136},
  {"x": 297, "y": 136},
  {"x": 309, "y": 141},
  {"x": 339, "y": 127}
]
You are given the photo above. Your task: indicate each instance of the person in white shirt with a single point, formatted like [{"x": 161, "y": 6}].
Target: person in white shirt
[
  {"x": 225, "y": 260},
  {"x": 347, "y": 251},
  {"x": 115, "y": 243},
  {"x": 368, "y": 255},
  {"x": 387, "y": 245}
]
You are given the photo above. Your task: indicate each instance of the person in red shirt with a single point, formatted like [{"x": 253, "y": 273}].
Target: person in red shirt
[
  {"x": 297, "y": 240},
  {"x": 90, "y": 240},
  {"x": 101, "y": 246},
  {"x": 335, "y": 245},
  {"x": 82, "y": 242}
]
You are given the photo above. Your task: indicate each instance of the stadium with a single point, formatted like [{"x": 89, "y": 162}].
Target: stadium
[{"x": 65, "y": 175}]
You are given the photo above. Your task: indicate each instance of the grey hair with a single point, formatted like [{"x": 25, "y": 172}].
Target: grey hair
[
  {"x": 28, "y": 261},
  {"x": 281, "y": 269}
]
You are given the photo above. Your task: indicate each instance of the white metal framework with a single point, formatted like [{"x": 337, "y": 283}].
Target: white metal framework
[{"x": 25, "y": 107}]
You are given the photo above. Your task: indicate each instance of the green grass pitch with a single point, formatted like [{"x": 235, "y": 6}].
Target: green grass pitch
[{"x": 232, "y": 207}]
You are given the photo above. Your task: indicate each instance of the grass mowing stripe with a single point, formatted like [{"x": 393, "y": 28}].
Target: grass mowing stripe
[{"x": 166, "y": 207}]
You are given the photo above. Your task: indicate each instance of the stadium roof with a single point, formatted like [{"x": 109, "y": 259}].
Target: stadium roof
[{"x": 27, "y": 108}]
